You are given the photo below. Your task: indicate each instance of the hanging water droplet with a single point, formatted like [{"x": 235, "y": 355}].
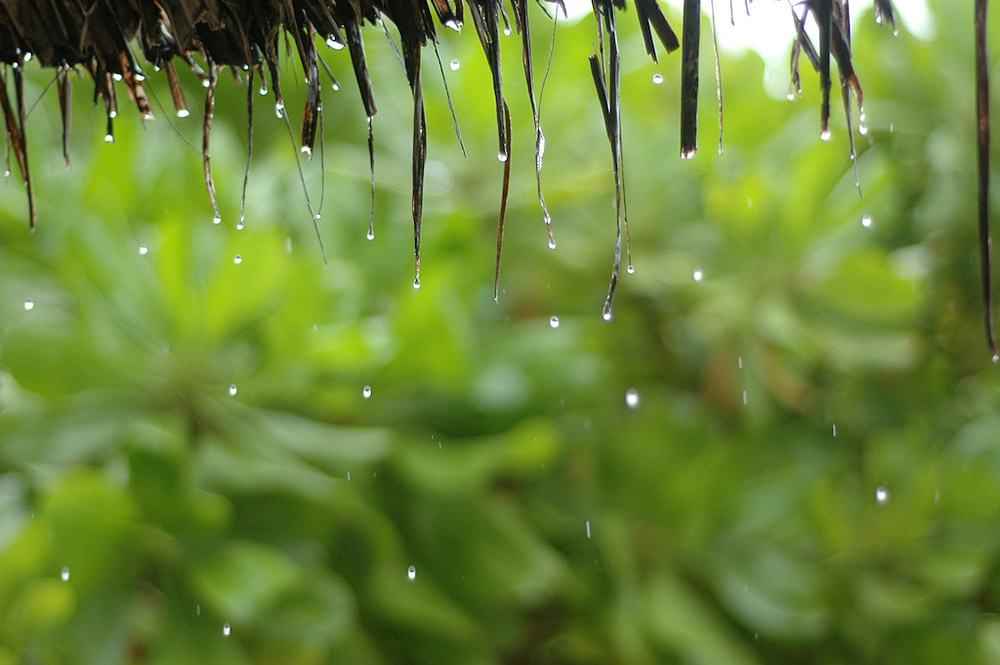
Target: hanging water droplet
[
  {"x": 502, "y": 156},
  {"x": 632, "y": 398},
  {"x": 239, "y": 224},
  {"x": 588, "y": 528},
  {"x": 183, "y": 113},
  {"x": 233, "y": 389},
  {"x": 506, "y": 31},
  {"x": 216, "y": 220},
  {"x": 411, "y": 573},
  {"x": 697, "y": 274},
  {"x": 863, "y": 128},
  {"x": 552, "y": 244},
  {"x": 455, "y": 65},
  {"x": 335, "y": 44},
  {"x": 226, "y": 629},
  {"x": 335, "y": 86},
  {"x": 109, "y": 138},
  {"x": 453, "y": 24},
  {"x": 824, "y": 135},
  {"x": 881, "y": 495},
  {"x": 263, "y": 88},
  {"x": 366, "y": 392},
  {"x": 606, "y": 314},
  {"x": 866, "y": 221},
  {"x": 996, "y": 358},
  {"x": 554, "y": 322},
  {"x": 790, "y": 96},
  {"x": 29, "y": 304},
  {"x": 658, "y": 79},
  {"x": 116, "y": 76},
  {"x": 630, "y": 269},
  {"x": 371, "y": 234},
  {"x": 688, "y": 154},
  {"x": 143, "y": 250},
  {"x": 238, "y": 259},
  {"x": 64, "y": 574},
  {"x": 416, "y": 283},
  {"x": 307, "y": 150}
]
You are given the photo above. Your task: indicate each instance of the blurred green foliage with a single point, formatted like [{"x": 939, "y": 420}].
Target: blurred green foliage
[{"x": 190, "y": 471}]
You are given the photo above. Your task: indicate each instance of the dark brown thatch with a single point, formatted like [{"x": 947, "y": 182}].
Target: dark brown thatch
[{"x": 103, "y": 37}]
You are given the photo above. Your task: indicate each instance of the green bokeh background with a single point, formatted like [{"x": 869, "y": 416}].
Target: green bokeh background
[{"x": 811, "y": 473}]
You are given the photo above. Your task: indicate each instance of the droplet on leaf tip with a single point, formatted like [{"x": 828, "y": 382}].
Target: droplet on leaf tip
[
  {"x": 554, "y": 322},
  {"x": 698, "y": 275},
  {"x": 29, "y": 304},
  {"x": 143, "y": 250},
  {"x": 226, "y": 629},
  {"x": 688, "y": 154},
  {"x": 238, "y": 259},
  {"x": 416, "y": 283},
  {"x": 502, "y": 156},
  {"x": 183, "y": 113},
  {"x": 630, "y": 269},
  {"x": 455, "y": 65},
  {"x": 552, "y": 244},
  {"x": 217, "y": 219},
  {"x": 366, "y": 392},
  {"x": 866, "y": 221},
  {"x": 824, "y": 135},
  {"x": 371, "y": 234},
  {"x": 411, "y": 573},
  {"x": 882, "y": 495},
  {"x": 64, "y": 574},
  {"x": 632, "y": 398},
  {"x": 233, "y": 389},
  {"x": 658, "y": 79}
]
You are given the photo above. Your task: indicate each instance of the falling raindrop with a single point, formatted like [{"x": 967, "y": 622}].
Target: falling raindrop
[
  {"x": 411, "y": 573},
  {"x": 29, "y": 304},
  {"x": 658, "y": 79},
  {"x": 455, "y": 64},
  {"x": 744, "y": 398},
  {"x": 143, "y": 250},
  {"x": 197, "y": 609},
  {"x": 366, "y": 392},
  {"x": 64, "y": 574},
  {"x": 739, "y": 362},
  {"x": 632, "y": 398},
  {"x": 233, "y": 389},
  {"x": 881, "y": 495},
  {"x": 238, "y": 259},
  {"x": 866, "y": 221},
  {"x": 697, "y": 274},
  {"x": 348, "y": 476},
  {"x": 554, "y": 322},
  {"x": 835, "y": 430},
  {"x": 226, "y": 629},
  {"x": 588, "y": 528}
]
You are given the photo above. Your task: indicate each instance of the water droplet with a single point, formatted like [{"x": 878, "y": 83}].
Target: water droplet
[
  {"x": 658, "y": 79},
  {"x": 791, "y": 96},
  {"x": 554, "y": 322},
  {"x": 371, "y": 234},
  {"x": 866, "y": 221},
  {"x": 109, "y": 138},
  {"x": 506, "y": 31},
  {"x": 238, "y": 259},
  {"x": 881, "y": 495},
  {"x": 233, "y": 389},
  {"x": 411, "y": 573},
  {"x": 862, "y": 128},
  {"x": 183, "y": 113},
  {"x": 453, "y": 24},
  {"x": 239, "y": 224},
  {"x": 307, "y": 150},
  {"x": 416, "y": 283},
  {"x": 143, "y": 250},
  {"x": 334, "y": 44},
  {"x": 502, "y": 156},
  {"x": 263, "y": 89},
  {"x": 29, "y": 304},
  {"x": 632, "y": 398},
  {"x": 366, "y": 392},
  {"x": 455, "y": 65},
  {"x": 216, "y": 220},
  {"x": 226, "y": 629},
  {"x": 588, "y": 528},
  {"x": 204, "y": 83},
  {"x": 996, "y": 358},
  {"x": 631, "y": 269},
  {"x": 279, "y": 108},
  {"x": 688, "y": 154},
  {"x": 606, "y": 315},
  {"x": 697, "y": 274},
  {"x": 824, "y": 135},
  {"x": 64, "y": 574},
  {"x": 116, "y": 76},
  {"x": 552, "y": 244},
  {"x": 335, "y": 86}
]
